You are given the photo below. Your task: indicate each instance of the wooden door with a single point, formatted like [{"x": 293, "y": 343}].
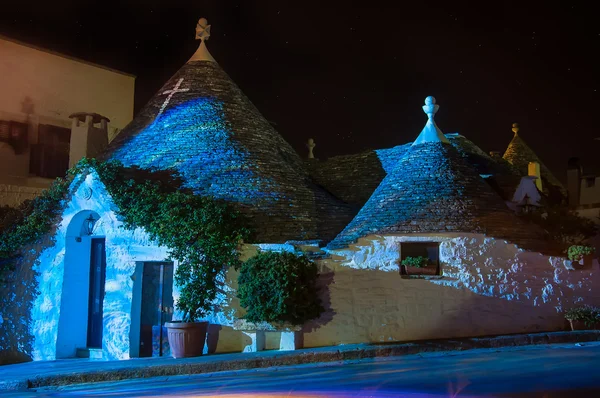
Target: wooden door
[{"x": 96, "y": 293}]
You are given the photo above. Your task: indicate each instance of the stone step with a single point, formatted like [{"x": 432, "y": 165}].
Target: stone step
[{"x": 91, "y": 353}]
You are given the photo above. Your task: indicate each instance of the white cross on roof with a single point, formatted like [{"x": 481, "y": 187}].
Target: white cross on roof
[{"x": 170, "y": 93}]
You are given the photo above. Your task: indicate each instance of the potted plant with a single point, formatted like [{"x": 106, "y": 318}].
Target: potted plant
[
  {"x": 583, "y": 317},
  {"x": 418, "y": 266},
  {"x": 186, "y": 337},
  {"x": 205, "y": 238},
  {"x": 581, "y": 255}
]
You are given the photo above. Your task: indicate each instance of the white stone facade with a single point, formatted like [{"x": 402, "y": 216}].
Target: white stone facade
[{"x": 488, "y": 287}]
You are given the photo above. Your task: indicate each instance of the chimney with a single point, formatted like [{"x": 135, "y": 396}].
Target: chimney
[
  {"x": 534, "y": 171},
  {"x": 89, "y": 136},
  {"x": 574, "y": 172}
]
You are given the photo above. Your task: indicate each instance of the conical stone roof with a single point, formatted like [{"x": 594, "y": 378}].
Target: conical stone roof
[
  {"x": 519, "y": 154},
  {"x": 202, "y": 125},
  {"x": 434, "y": 189}
]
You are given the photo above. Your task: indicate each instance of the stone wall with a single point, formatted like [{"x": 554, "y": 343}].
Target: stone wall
[
  {"x": 56, "y": 325},
  {"x": 489, "y": 287}
]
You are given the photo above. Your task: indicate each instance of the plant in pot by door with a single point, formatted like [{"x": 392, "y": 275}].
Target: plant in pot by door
[
  {"x": 418, "y": 266},
  {"x": 583, "y": 317},
  {"x": 186, "y": 337},
  {"x": 581, "y": 256},
  {"x": 206, "y": 235}
]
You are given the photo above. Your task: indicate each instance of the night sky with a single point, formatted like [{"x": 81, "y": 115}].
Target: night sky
[{"x": 355, "y": 77}]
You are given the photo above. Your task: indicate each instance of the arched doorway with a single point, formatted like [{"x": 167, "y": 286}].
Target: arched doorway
[{"x": 81, "y": 310}]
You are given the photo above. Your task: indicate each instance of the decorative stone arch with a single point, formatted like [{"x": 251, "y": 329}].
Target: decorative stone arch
[{"x": 73, "y": 318}]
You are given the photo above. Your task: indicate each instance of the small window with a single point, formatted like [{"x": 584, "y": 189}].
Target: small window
[
  {"x": 424, "y": 258},
  {"x": 590, "y": 181}
]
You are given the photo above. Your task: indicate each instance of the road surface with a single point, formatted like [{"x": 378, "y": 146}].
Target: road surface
[{"x": 538, "y": 371}]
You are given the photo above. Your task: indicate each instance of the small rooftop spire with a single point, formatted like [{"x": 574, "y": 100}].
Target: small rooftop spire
[
  {"x": 202, "y": 34},
  {"x": 311, "y": 145},
  {"x": 431, "y": 132},
  {"x": 515, "y": 128}
]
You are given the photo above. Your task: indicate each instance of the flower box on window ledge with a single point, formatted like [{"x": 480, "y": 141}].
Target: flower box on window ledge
[{"x": 420, "y": 260}]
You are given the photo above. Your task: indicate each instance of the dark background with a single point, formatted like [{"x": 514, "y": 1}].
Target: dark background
[{"x": 355, "y": 76}]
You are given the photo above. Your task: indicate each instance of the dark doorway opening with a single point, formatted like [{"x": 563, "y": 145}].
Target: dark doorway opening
[
  {"x": 96, "y": 296},
  {"x": 156, "y": 308}
]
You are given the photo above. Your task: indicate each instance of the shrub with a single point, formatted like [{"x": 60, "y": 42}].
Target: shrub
[
  {"x": 588, "y": 314},
  {"x": 576, "y": 252},
  {"x": 280, "y": 288},
  {"x": 418, "y": 262}
]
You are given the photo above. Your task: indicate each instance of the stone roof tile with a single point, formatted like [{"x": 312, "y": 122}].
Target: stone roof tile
[{"x": 201, "y": 125}]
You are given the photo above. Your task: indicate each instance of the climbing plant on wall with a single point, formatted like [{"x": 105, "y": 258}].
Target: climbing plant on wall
[
  {"x": 202, "y": 233},
  {"x": 26, "y": 224},
  {"x": 19, "y": 228}
]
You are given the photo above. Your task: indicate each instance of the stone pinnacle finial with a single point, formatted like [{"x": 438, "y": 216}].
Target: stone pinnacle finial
[
  {"x": 431, "y": 132},
  {"x": 430, "y": 107},
  {"x": 310, "y": 145},
  {"x": 202, "y": 34},
  {"x": 202, "y": 29},
  {"x": 515, "y": 128}
]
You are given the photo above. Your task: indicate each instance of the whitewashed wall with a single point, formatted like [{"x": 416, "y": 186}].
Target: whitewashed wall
[
  {"x": 123, "y": 249},
  {"x": 60, "y": 311},
  {"x": 489, "y": 287}
]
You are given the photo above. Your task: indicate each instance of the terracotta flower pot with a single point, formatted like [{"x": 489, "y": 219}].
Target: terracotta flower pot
[
  {"x": 186, "y": 339},
  {"x": 428, "y": 270}
]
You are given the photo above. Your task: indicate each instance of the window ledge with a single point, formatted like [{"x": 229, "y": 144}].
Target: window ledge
[{"x": 422, "y": 276}]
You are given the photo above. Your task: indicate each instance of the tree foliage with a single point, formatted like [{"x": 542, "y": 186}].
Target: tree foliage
[
  {"x": 280, "y": 288},
  {"x": 588, "y": 314}
]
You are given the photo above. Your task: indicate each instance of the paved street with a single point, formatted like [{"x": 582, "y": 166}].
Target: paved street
[{"x": 538, "y": 371}]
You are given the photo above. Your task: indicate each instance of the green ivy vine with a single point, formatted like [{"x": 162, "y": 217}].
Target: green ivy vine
[
  {"x": 202, "y": 233},
  {"x": 26, "y": 224}
]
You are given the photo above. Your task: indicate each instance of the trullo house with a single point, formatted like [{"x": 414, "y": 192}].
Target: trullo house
[{"x": 441, "y": 197}]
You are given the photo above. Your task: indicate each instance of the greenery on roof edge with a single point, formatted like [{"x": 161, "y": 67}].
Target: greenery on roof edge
[{"x": 202, "y": 233}]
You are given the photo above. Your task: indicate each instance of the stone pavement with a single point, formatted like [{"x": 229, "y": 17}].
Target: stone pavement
[{"x": 75, "y": 371}]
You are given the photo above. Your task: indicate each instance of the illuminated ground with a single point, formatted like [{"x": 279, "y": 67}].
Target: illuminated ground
[{"x": 538, "y": 371}]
